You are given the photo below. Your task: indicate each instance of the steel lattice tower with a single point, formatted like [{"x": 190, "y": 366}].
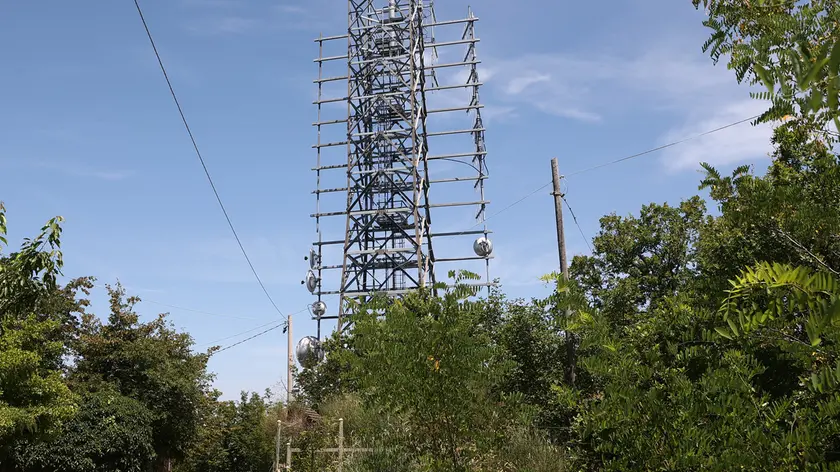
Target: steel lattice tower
[{"x": 387, "y": 240}]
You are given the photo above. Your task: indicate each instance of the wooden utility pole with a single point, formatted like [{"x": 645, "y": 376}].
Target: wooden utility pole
[
  {"x": 277, "y": 447},
  {"x": 340, "y": 444},
  {"x": 571, "y": 354},
  {"x": 290, "y": 362}
]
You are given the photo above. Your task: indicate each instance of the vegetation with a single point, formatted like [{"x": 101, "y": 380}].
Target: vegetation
[{"x": 702, "y": 340}]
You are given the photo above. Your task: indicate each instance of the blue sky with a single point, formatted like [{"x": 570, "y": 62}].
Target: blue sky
[{"x": 88, "y": 131}]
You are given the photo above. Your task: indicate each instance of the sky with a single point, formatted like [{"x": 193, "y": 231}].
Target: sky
[{"x": 89, "y": 131}]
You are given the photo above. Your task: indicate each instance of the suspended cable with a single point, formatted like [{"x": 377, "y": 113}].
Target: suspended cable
[
  {"x": 665, "y": 146},
  {"x": 251, "y": 330},
  {"x": 201, "y": 159},
  {"x": 627, "y": 158},
  {"x": 252, "y": 337},
  {"x": 221, "y": 315},
  {"x": 236, "y": 317},
  {"x": 574, "y": 218}
]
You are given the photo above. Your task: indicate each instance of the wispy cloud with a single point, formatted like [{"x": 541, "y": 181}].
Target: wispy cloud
[
  {"x": 732, "y": 145},
  {"x": 588, "y": 86},
  {"x": 213, "y": 3},
  {"x": 79, "y": 170},
  {"x": 225, "y": 25},
  {"x": 518, "y": 84},
  {"x": 291, "y": 9}
]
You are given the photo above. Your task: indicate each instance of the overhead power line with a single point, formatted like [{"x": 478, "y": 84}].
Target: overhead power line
[
  {"x": 616, "y": 161},
  {"x": 664, "y": 146},
  {"x": 192, "y": 310},
  {"x": 252, "y": 337},
  {"x": 201, "y": 159},
  {"x": 221, "y": 315},
  {"x": 574, "y": 218},
  {"x": 281, "y": 324}
]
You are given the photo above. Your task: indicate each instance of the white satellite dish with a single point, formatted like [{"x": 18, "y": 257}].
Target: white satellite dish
[
  {"x": 314, "y": 260},
  {"x": 483, "y": 247},
  {"x": 311, "y": 281},
  {"x": 309, "y": 352},
  {"x": 319, "y": 308}
]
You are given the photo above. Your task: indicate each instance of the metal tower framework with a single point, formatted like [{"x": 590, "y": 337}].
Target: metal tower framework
[{"x": 387, "y": 243}]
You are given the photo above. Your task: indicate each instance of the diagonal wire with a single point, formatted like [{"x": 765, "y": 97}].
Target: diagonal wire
[
  {"x": 280, "y": 324},
  {"x": 252, "y": 337},
  {"x": 585, "y": 239},
  {"x": 201, "y": 159},
  {"x": 253, "y": 329},
  {"x": 600, "y": 166},
  {"x": 239, "y": 334},
  {"x": 198, "y": 311},
  {"x": 664, "y": 146}
]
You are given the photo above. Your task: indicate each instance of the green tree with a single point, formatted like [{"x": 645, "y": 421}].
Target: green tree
[
  {"x": 33, "y": 397},
  {"x": 790, "y": 215},
  {"x": 111, "y": 432},
  {"x": 150, "y": 362},
  {"x": 790, "y": 47},
  {"x": 234, "y": 437},
  {"x": 428, "y": 367},
  {"x": 637, "y": 261}
]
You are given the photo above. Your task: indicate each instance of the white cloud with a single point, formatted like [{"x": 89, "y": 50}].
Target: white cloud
[
  {"x": 518, "y": 84},
  {"x": 81, "y": 170},
  {"x": 291, "y": 9},
  {"x": 587, "y": 86},
  {"x": 729, "y": 146},
  {"x": 225, "y": 25}
]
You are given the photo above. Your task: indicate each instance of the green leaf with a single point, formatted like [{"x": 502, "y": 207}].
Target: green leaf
[
  {"x": 723, "y": 332},
  {"x": 834, "y": 59},
  {"x": 733, "y": 326},
  {"x": 764, "y": 76},
  {"x": 816, "y": 100}
]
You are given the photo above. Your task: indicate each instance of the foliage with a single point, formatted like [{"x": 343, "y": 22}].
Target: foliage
[
  {"x": 528, "y": 338},
  {"x": 111, "y": 432},
  {"x": 637, "y": 261},
  {"x": 234, "y": 437},
  {"x": 790, "y": 215},
  {"x": 790, "y": 47},
  {"x": 33, "y": 397},
  {"x": 330, "y": 378},
  {"x": 427, "y": 367},
  {"x": 148, "y": 361},
  {"x": 687, "y": 370}
]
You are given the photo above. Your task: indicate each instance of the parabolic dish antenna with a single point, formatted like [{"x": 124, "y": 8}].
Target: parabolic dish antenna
[
  {"x": 309, "y": 352},
  {"x": 311, "y": 281},
  {"x": 318, "y": 309},
  {"x": 483, "y": 247}
]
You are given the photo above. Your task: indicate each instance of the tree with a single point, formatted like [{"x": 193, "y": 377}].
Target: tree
[
  {"x": 149, "y": 362},
  {"x": 637, "y": 261},
  {"x": 111, "y": 432},
  {"x": 789, "y": 215},
  {"x": 429, "y": 368},
  {"x": 33, "y": 397},
  {"x": 675, "y": 381},
  {"x": 790, "y": 47},
  {"x": 235, "y": 437}
]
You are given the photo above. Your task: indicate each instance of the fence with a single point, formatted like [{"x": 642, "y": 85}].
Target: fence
[{"x": 340, "y": 450}]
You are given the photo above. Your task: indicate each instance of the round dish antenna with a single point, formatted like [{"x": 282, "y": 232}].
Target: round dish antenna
[
  {"x": 309, "y": 352},
  {"x": 483, "y": 247},
  {"x": 319, "y": 308},
  {"x": 311, "y": 281}
]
